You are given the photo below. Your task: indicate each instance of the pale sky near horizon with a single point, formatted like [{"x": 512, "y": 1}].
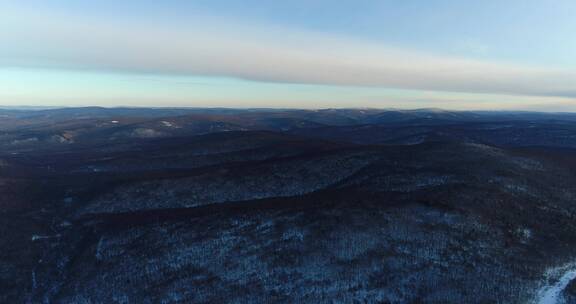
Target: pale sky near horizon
[{"x": 491, "y": 54}]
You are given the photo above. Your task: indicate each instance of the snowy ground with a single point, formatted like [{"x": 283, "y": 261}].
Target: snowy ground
[{"x": 558, "y": 279}]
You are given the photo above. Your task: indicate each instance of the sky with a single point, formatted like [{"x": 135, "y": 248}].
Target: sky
[{"x": 453, "y": 54}]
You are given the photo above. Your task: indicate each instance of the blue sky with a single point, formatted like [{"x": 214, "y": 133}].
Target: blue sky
[{"x": 514, "y": 54}]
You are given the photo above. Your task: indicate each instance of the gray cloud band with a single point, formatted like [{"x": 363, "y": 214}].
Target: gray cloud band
[{"x": 266, "y": 55}]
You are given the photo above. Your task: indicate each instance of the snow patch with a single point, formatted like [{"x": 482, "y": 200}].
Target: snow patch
[
  {"x": 168, "y": 124},
  {"x": 557, "y": 280},
  {"x": 44, "y": 237}
]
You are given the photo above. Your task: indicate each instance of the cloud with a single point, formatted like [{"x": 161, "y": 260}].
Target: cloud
[{"x": 211, "y": 47}]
